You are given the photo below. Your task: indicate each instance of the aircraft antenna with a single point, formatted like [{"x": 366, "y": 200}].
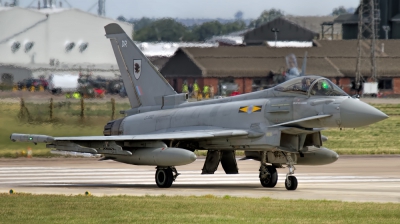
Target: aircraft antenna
[{"x": 368, "y": 23}]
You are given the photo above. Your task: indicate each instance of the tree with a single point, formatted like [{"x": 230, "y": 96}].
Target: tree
[
  {"x": 213, "y": 28},
  {"x": 207, "y": 30},
  {"x": 171, "y": 30},
  {"x": 121, "y": 18},
  {"x": 339, "y": 11},
  {"x": 163, "y": 30},
  {"x": 141, "y": 23},
  {"x": 233, "y": 27},
  {"x": 266, "y": 16},
  {"x": 239, "y": 15}
]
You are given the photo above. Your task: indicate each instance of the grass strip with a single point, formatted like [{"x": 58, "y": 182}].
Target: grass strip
[{"x": 27, "y": 208}]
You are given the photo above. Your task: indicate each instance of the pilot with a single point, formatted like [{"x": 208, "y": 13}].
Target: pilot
[{"x": 306, "y": 83}]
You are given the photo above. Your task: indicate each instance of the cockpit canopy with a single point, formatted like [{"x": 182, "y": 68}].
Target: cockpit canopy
[{"x": 311, "y": 85}]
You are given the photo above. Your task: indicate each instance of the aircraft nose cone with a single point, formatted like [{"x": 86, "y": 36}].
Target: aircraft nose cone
[{"x": 355, "y": 113}]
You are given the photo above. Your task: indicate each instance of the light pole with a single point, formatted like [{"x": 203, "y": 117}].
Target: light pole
[
  {"x": 386, "y": 28},
  {"x": 276, "y": 31}
]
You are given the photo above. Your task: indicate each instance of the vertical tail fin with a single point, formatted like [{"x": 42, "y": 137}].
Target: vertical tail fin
[
  {"x": 303, "y": 68},
  {"x": 144, "y": 85}
]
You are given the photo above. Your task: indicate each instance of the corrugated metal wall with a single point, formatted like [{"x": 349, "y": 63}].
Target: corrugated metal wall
[
  {"x": 350, "y": 31},
  {"x": 395, "y": 30}
]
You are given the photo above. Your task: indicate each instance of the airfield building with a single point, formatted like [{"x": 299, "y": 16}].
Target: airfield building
[
  {"x": 388, "y": 12},
  {"x": 285, "y": 31},
  {"x": 40, "y": 42},
  {"x": 253, "y": 67}
]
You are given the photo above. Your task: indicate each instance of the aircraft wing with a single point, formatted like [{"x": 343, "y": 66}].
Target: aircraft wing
[
  {"x": 159, "y": 136},
  {"x": 107, "y": 144},
  {"x": 176, "y": 135}
]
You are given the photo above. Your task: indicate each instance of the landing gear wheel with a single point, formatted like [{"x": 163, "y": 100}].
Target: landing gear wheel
[
  {"x": 164, "y": 177},
  {"x": 291, "y": 183},
  {"x": 269, "y": 179}
]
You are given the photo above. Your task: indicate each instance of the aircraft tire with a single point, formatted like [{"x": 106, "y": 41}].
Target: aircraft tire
[
  {"x": 291, "y": 183},
  {"x": 272, "y": 178},
  {"x": 164, "y": 178}
]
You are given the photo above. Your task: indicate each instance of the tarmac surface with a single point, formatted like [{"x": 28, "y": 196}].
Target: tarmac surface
[{"x": 351, "y": 178}]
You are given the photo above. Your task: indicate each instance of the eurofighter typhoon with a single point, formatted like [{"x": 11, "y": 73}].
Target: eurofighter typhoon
[{"x": 280, "y": 127}]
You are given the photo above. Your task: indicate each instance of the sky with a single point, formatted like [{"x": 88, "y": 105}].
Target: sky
[{"x": 203, "y": 8}]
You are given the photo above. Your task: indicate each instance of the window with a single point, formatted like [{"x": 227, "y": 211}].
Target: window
[
  {"x": 257, "y": 82},
  {"x": 297, "y": 85},
  {"x": 324, "y": 87},
  {"x": 385, "y": 84}
]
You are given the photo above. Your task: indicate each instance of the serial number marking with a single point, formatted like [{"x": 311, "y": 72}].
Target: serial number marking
[{"x": 149, "y": 117}]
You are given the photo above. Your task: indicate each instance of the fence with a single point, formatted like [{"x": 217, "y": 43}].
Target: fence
[{"x": 64, "y": 111}]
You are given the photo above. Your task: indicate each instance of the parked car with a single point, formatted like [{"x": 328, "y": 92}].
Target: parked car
[{"x": 28, "y": 83}]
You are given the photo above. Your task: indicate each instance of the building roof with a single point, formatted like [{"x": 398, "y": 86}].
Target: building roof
[
  {"x": 314, "y": 22},
  {"x": 287, "y": 31},
  {"x": 396, "y": 18},
  {"x": 347, "y": 19},
  {"x": 167, "y": 49},
  {"x": 332, "y": 59}
]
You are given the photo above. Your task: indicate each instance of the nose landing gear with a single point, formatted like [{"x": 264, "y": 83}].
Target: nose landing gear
[{"x": 291, "y": 181}]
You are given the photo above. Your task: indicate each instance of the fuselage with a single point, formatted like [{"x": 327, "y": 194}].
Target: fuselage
[{"x": 273, "y": 107}]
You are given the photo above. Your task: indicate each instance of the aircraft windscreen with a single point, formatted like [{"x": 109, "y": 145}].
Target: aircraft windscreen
[
  {"x": 316, "y": 86},
  {"x": 324, "y": 87},
  {"x": 297, "y": 85}
]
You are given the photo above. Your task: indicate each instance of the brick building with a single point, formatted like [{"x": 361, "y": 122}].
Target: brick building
[{"x": 253, "y": 67}]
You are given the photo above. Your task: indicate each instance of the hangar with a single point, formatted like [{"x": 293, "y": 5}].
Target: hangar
[{"x": 39, "y": 42}]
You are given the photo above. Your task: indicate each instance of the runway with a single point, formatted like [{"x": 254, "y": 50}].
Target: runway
[{"x": 351, "y": 178}]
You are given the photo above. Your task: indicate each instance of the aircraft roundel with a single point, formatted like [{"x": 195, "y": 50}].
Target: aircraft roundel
[{"x": 250, "y": 109}]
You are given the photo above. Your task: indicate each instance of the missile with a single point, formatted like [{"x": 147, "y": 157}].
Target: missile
[
  {"x": 158, "y": 156},
  {"x": 31, "y": 138}
]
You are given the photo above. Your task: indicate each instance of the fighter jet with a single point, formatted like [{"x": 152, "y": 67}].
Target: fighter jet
[{"x": 280, "y": 127}]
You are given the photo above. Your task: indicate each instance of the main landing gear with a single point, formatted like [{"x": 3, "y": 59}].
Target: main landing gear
[
  {"x": 165, "y": 176},
  {"x": 269, "y": 176}
]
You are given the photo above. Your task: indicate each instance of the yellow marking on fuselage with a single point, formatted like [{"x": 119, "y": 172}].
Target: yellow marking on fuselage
[{"x": 243, "y": 109}]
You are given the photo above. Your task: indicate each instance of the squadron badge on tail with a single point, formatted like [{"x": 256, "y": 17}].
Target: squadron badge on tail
[{"x": 137, "y": 68}]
